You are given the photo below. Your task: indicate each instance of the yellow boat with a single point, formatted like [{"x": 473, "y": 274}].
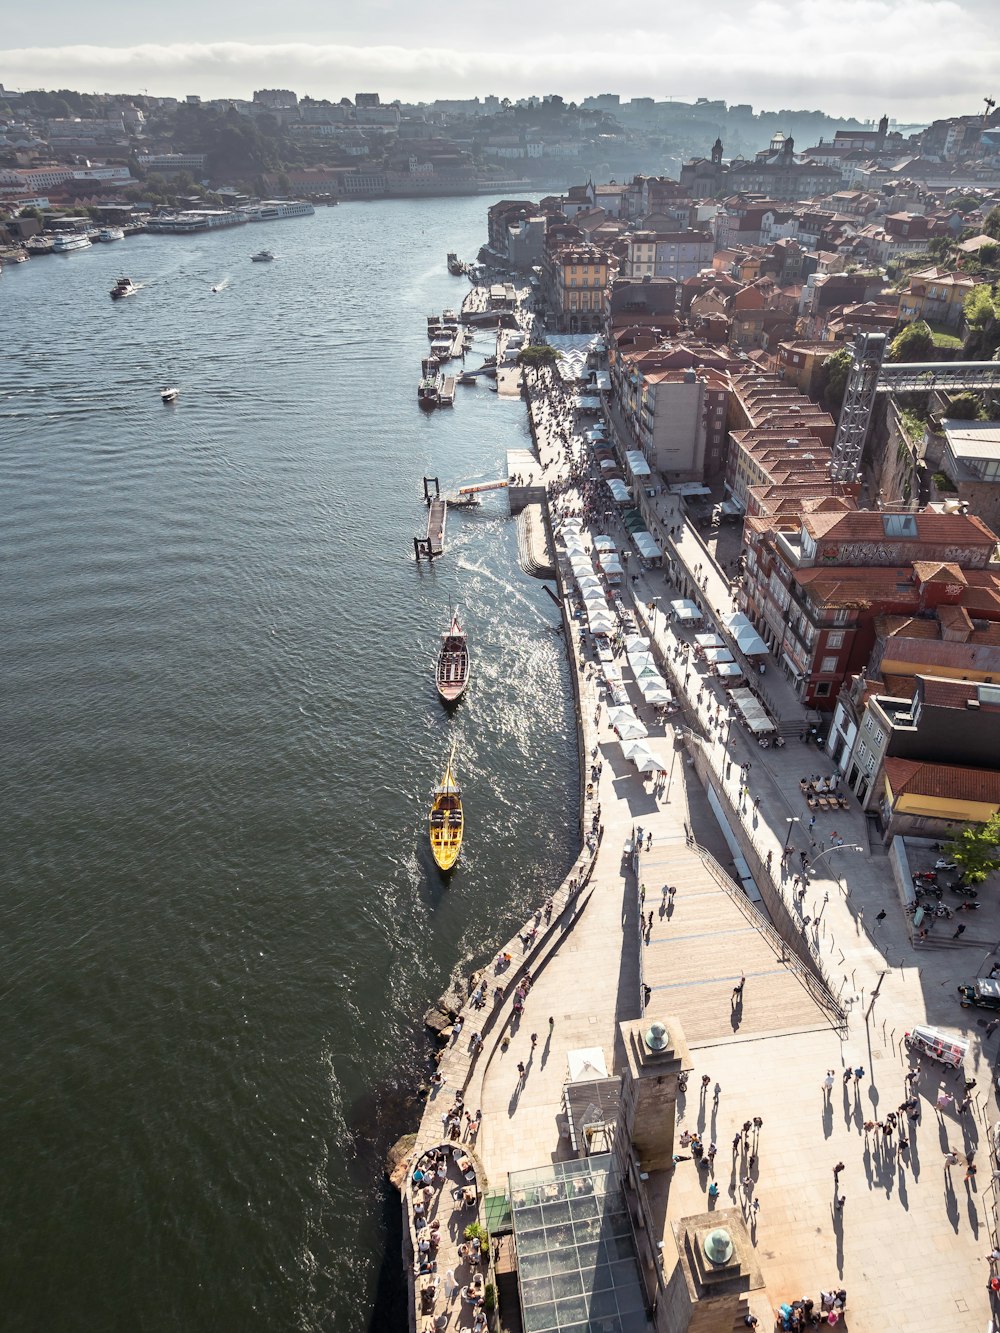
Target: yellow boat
[{"x": 447, "y": 820}]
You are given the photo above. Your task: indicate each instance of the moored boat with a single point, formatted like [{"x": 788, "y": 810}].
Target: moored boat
[
  {"x": 107, "y": 234},
  {"x": 455, "y": 265},
  {"x": 429, "y": 387},
  {"x": 447, "y": 818},
  {"x": 451, "y": 674}
]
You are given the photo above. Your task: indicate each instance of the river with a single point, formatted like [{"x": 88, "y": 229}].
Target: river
[{"x": 222, "y": 924}]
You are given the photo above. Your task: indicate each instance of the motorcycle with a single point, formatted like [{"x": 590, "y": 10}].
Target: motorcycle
[
  {"x": 926, "y": 876},
  {"x": 967, "y": 907},
  {"x": 966, "y": 890},
  {"x": 942, "y": 864}
]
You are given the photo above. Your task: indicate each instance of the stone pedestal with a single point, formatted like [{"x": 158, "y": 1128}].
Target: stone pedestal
[
  {"x": 655, "y": 1056},
  {"x": 716, "y": 1270}
]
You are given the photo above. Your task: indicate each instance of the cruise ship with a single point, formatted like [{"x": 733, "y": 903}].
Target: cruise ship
[
  {"x": 271, "y": 210},
  {"x": 196, "y": 219},
  {"x": 69, "y": 240}
]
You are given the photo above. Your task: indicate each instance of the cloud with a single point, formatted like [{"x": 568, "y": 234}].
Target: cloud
[{"x": 859, "y": 61}]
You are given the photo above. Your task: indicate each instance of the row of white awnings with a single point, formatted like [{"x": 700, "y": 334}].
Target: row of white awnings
[
  {"x": 637, "y": 464},
  {"x": 619, "y": 491},
  {"x": 753, "y": 711},
  {"x": 684, "y": 609},
  {"x": 646, "y": 546},
  {"x": 747, "y": 639}
]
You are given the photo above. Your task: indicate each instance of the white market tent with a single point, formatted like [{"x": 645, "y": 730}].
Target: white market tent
[
  {"x": 684, "y": 609},
  {"x": 636, "y": 643},
  {"x": 646, "y": 546},
  {"x": 646, "y": 761},
  {"x": 619, "y": 491},
  {"x": 747, "y": 639},
  {"x": 753, "y": 711},
  {"x": 708, "y": 641},
  {"x": 718, "y": 655},
  {"x": 586, "y": 402},
  {"x": 608, "y": 465},
  {"x": 729, "y": 670},
  {"x": 626, "y": 723},
  {"x": 657, "y": 694},
  {"x": 604, "y": 543},
  {"x": 611, "y": 564},
  {"x": 637, "y": 464}
]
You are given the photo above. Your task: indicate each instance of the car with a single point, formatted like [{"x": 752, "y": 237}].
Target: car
[{"x": 984, "y": 993}]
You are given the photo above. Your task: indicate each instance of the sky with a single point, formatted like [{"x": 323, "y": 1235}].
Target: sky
[{"x": 914, "y": 61}]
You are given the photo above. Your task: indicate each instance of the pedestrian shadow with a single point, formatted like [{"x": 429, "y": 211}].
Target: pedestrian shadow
[
  {"x": 827, "y": 1117},
  {"x": 950, "y": 1202},
  {"x": 736, "y": 1015},
  {"x": 904, "y": 1198},
  {"x": 544, "y": 1059},
  {"x": 973, "y": 1212},
  {"x": 869, "y": 1172},
  {"x": 837, "y": 1217},
  {"x": 914, "y": 1153}
]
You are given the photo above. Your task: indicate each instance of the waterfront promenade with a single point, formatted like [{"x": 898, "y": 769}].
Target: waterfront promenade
[{"x": 910, "y": 1238}]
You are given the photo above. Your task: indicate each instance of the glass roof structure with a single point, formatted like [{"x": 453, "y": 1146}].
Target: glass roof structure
[{"x": 576, "y": 1253}]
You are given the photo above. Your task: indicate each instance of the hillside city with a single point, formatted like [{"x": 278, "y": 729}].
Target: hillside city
[{"x": 786, "y": 338}]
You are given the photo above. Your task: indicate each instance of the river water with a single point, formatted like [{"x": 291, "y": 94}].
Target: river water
[{"x": 220, "y": 731}]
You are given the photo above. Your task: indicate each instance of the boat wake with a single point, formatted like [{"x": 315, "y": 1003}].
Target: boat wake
[{"x": 511, "y": 588}]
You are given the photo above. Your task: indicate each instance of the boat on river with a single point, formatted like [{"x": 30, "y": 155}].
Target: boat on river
[
  {"x": 123, "y": 287},
  {"x": 170, "y": 395},
  {"x": 451, "y": 674},
  {"x": 262, "y": 257},
  {"x": 447, "y": 819},
  {"x": 429, "y": 385}
]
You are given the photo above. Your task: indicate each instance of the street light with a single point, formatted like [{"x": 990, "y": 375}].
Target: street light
[{"x": 789, "y": 820}]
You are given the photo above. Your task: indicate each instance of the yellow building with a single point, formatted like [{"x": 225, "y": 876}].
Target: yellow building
[
  {"x": 936, "y": 800},
  {"x": 581, "y": 275},
  {"x": 936, "y": 295}
]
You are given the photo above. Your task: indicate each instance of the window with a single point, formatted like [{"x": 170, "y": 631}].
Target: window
[
  {"x": 862, "y": 750},
  {"x": 822, "y": 689},
  {"x": 841, "y": 617},
  {"x": 835, "y": 640},
  {"x": 870, "y": 763}
]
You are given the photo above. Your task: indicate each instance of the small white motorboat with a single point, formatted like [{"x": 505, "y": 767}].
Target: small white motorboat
[{"x": 169, "y": 395}]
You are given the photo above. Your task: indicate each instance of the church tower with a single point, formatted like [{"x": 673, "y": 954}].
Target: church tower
[{"x": 717, "y": 153}]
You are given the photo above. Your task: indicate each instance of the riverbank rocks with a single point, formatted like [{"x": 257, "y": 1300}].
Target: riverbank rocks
[{"x": 397, "y": 1161}]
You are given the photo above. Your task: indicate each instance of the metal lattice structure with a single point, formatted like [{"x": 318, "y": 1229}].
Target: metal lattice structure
[
  {"x": 859, "y": 399},
  {"x": 871, "y": 376}
]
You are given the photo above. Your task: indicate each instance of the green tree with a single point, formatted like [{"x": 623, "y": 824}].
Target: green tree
[
  {"x": 991, "y": 226},
  {"x": 537, "y": 354},
  {"x": 914, "y": 343},
  {"x": 832, "y": 383},
  {"x": 966, "y": 407},
  {"x": 978, "y": 307},
  {"x": 976, "y": 850}
]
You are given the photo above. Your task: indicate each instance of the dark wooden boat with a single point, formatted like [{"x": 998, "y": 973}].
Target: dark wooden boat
[{"x": 451, "y": 675}]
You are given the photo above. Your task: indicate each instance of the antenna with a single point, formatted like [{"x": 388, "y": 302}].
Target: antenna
[{"x": 990, "y": 104}]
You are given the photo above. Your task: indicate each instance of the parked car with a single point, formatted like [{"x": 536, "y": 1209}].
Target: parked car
[{"x": 984, "y": 993}]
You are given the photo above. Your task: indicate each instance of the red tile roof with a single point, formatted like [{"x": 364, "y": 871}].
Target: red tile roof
[{"x": 954, "y": 782}]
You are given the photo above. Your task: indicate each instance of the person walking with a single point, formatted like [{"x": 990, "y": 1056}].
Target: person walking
[
  {"x": 959, "y": 932},
  {"x": 738, "y": 989},
  {"x": 836, "y": 1173},
  {"x": 880, "y": 917}
]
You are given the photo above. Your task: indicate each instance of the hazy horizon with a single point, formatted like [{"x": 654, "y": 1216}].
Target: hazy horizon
[{"x": 940, "y": 56}]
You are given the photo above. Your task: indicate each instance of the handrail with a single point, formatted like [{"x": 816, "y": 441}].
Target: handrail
[{"x": 818, "y": 990}]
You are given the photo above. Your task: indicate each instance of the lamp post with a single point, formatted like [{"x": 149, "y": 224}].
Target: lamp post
[{"x": 789, "y": 820}]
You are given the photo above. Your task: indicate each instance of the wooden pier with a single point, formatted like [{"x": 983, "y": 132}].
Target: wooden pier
[
  {"x": 432, "y": 544},
  {"x": 446, "y": 394}
]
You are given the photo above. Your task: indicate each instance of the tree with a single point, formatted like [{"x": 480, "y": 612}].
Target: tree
[
  {"x": 991, "y": 226},
  {"x": 914, "y": 343},
  {"x": 538, "y": 354},
  {"x": 978, "y": 307},
  {"x": 976, "y": 850},
  {"x": 966, "y": 407},
  {"x": 832, "y": 383}
]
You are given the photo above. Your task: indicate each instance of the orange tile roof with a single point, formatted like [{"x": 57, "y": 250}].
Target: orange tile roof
[
  {"x": 869, "y": 525},
  {"x": 950, "y": 782}
]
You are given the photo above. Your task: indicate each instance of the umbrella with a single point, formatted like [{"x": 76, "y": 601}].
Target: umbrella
[
  {"x": 588, "y": 582},
  {"x": 595, "y": 595},
  {"x": 634, "y": 747},
  {"x": 636, "y": 643}
]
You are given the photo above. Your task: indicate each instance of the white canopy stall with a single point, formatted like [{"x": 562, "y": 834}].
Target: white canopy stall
[{"x": 753, "y": 711}]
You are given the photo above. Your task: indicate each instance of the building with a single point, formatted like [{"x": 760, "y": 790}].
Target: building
[
  {"x": 815, "y": 593},
  {"x": 577, "y": 277},
  {"x": 674, "y": 254},
  {"x": 172, "y": 164},
  {"x": 922, "y": 718},
  {"x": 674, "y": 397},
  {"x": 972, "y": 461},
  {"x": 800, "y": 363},
  {"x": 936, "y": 295}
]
